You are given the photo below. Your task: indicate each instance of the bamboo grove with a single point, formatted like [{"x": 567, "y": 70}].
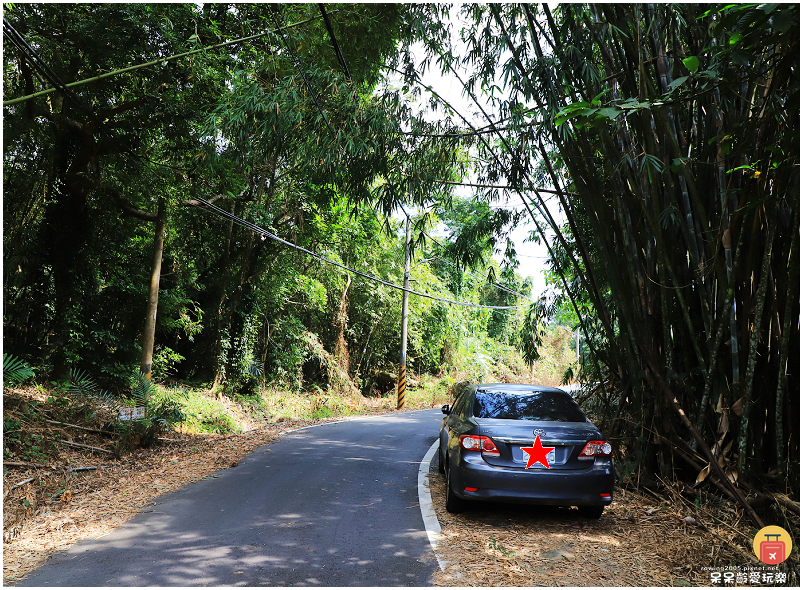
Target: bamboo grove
[{"x": 670, "y": 133}]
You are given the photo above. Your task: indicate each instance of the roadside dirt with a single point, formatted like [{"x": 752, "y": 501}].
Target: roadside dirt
[{"x": 639, "y": 541}]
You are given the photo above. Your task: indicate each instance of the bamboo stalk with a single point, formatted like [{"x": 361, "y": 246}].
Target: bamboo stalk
[
  {"x": 783, "y": 358},
  {"x": 21, "y": 464},
  {"x": 755, "y": 337},
  {"x": 59, "y": 423}
]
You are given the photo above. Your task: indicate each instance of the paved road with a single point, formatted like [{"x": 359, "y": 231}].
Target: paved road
[{"x": 333, "y": 505}]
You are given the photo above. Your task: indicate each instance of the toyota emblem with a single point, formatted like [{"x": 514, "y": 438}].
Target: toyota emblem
[{"x": 540, "y": 432}]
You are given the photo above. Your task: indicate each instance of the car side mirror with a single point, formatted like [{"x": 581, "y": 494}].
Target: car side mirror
[{"x": 446, "y": 409}]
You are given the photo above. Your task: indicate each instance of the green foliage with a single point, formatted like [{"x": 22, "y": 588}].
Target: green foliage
[
  {"x": 669, "y": 234},
  {"x": 203, "y": 413},
  {"x": 238, "y": 126},
  {"x": 28, "y": 446},
  {"x": 15, "y": 370},
  {"x": 495, "y": 545},
  {"x": 164, "y": 362},
  {"x": 533, "y": 327}
]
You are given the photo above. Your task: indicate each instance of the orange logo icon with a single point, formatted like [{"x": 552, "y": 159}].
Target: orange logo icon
[{"x": 772, "y": 545}]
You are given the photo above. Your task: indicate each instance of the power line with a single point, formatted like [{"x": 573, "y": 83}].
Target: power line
[
  {"x": 339, "y": 54},
  {"x": 221, "y": 212},
  {"x": 464, "y": 133},
  {"x": 506, "y": 187},
  {"x": 154, "y": 62},
  {"x": 39, "y": 64}
]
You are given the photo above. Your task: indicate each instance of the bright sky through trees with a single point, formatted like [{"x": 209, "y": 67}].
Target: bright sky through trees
[{"x": 531, "y": 256}]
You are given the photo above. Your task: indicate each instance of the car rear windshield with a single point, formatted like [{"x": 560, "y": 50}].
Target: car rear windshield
[{"x": 554, "y": 406}]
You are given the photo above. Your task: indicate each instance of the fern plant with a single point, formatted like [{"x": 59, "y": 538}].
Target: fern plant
[
  {"x": 143, "y": 390},
  {"x": 15, "y": 370}
]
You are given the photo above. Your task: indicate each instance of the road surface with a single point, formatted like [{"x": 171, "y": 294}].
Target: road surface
[{"x": 332, "y": 505}]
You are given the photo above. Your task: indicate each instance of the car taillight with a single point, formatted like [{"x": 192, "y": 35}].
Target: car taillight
[
  {"x": 482, "y": 444},
  {"x": 596, "y": 448}
]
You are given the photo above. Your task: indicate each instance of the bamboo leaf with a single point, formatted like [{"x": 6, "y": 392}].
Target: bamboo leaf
[
  {"x": 724, "y": 424},
  {"x": 677, "y": 82}
]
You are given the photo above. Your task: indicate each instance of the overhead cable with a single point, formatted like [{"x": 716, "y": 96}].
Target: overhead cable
[
  {"x": 154, "y": 62},
  {"x": 339, "y": 54},
  {"x": 506, "y": 187},
  {"x": 41, "y": 66},
  {"x": 251, "y": 226}
]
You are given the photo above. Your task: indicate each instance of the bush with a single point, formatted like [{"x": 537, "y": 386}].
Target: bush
[
  {"x": 164, "y": 361},
  {"x": 162, "y": 413}
]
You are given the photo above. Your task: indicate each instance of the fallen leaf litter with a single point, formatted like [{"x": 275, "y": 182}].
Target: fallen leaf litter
[{"x": 639, "y": 541}]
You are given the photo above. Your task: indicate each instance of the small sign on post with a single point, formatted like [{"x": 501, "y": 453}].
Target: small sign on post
[{"x": 126, "y": 414}]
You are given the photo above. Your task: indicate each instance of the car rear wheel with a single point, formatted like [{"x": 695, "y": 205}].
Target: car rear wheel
[
  {"x": 591, "y": 511},
  {"x": 453, "y": 503},
  {"x": 441, "y": 458}
]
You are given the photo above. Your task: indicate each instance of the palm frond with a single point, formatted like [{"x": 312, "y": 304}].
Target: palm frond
[
  {"x": 83, "y": 383},
  {"x": 15, "y": 370},
  {"x": 108, "y": 400}
]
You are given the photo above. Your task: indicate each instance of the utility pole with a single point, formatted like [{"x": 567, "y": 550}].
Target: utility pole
[{"x": 401, "y": 383}]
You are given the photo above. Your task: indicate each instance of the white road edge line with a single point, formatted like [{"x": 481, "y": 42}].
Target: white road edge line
[
  {"x": 426, "y": 508},
  {"x": 432, "y": 526}
]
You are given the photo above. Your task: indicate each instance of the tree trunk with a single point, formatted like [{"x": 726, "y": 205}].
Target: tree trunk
[
  {"x": 340, "y": 352},
  {"x": 219, "y": 373},
  {"x": 149, "y": 334}
]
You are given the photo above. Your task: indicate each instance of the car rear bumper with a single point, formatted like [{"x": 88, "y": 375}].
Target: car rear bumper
[{"x": 558, "y": 487}]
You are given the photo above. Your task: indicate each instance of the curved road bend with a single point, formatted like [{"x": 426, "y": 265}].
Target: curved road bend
[{"x": 332, "y": 505}]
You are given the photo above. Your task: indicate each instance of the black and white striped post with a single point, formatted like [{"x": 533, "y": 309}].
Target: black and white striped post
[{"x": 401, "y": 382}]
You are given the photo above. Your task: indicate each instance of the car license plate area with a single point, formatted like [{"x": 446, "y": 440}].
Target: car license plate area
[{"x": 520, "y": 456}]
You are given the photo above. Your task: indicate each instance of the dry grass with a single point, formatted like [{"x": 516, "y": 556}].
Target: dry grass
[{"x": 639, "y": 541}]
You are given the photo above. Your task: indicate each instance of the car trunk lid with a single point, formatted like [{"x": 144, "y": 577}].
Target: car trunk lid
[{"x": 511, "y": 436}]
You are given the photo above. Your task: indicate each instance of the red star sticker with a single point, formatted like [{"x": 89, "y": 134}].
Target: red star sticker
[{"x": 537, "y": 453}]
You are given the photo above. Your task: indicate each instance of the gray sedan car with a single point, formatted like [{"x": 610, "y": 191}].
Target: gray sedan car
[{"x": 526, "y": 444}]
